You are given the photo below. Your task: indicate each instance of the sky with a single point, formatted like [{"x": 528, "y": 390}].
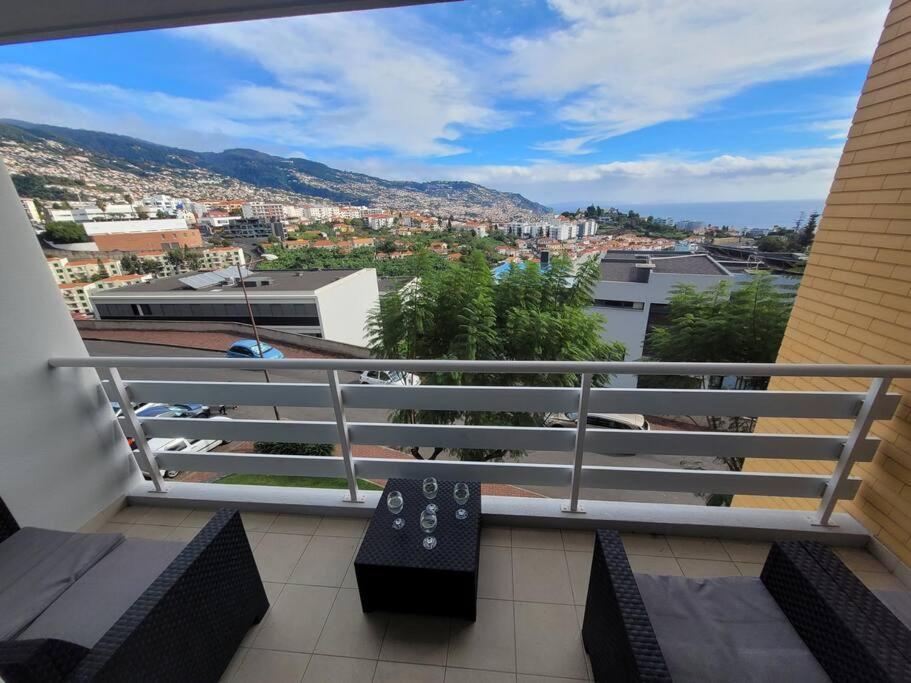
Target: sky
[{"x": 562, "y": 100}]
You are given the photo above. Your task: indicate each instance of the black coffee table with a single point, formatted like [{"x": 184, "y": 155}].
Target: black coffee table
[{"x": 395, "y": 573}]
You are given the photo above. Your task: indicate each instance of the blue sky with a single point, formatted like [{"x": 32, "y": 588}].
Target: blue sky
[{"x": 562, "y": 100}]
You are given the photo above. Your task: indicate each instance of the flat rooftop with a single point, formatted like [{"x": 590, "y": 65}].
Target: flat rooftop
[
  {"x": 623, "y": 268},
  {"x": 282, "y": 281}
]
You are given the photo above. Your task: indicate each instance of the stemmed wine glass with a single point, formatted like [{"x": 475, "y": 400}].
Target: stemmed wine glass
[
  {"x": 461, "y": 493},
  {"x": 430, "y": 488},
  {"x": 428, "y": 524},
  {"x": 395, "y": 502}
]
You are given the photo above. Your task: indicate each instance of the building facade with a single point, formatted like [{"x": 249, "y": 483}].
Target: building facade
[
  {"x": 854, "y": 303},
  {"x": 67, "y": 271}
]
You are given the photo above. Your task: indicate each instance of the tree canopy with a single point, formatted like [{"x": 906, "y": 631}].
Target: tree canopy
[
  {"x": 65, "y": 232},
  {"x": 463, "y": 312}
]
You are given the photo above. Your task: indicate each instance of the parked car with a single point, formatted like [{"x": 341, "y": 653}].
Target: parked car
[
  {"x": 389, "y": 377},
  {"x": 602, "y": 420},
  {"x": 174, "y": 410},
  {"x": 249, "y": 348},
  {"x": 181, "y": 444}
]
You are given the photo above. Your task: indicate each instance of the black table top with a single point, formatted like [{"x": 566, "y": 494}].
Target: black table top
[{"x": 457, "y": 539}]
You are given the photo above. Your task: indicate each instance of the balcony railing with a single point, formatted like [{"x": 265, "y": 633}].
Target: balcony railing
[{"x": 843, "y": 451}]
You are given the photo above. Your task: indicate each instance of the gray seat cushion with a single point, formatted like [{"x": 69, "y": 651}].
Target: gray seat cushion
[
  {"x": 725, "y": 629},
  {"x": 99, "y": 598},
  {"x": 898, "y": 602},
  {"x": 38, "y": 565}
]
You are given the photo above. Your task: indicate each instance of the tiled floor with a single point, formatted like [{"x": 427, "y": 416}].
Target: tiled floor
[{"x": 531, "y": 592}]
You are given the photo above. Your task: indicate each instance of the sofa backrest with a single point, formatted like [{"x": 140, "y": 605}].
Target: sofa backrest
[{"x": 8, "y": 525}]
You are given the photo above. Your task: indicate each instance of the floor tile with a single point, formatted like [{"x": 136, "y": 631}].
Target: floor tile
[
  {"x": 649, "y": 564},
  {"x": 698, "y": 548},
  {"x": 155, "y": 532},
  {"x": 277, "y": 555},
  {"x": 164, "y": 516},
  {"x": 580, "y": 566},
  {"x": 546, "y": 539},
  {"x": 114, "y": 528},
  {"x": 488, "y": 643},
  {"x": 295, "y": 524},
  {"x": 476, "y": 676},
  {"x": 495, "y": 573},
  {"x": 254, "y": 537},
  {"x": 349, "y": 632},
  {"x": 273, "y": 590},
  {"x": 578, "y": 539},
  {"x": 548, "y": 641},
  {"x": 698, "y": 569},
  {"x": 526, "y": 678},
  {"x": 233, "y": 665},
  {"x": 324, "y": 669},
  {"x": 646, "y": 544},
  {"x": 198, "y": 518},
  {"x": 747, "y": 551},
  {"x": 859, "y": 560},
  {"x": 350, "y": 580},
  {"x": 416, "y": 639},
  {"x": 272, "y": 666},
  {"x": 130, "y": 514},
  {"x": 350, "y": 527},
  {"x": 881, "y": 581},
  {"x": 296, "y": 618},
  {"x": 540, "y": 576},
  {"x": 496, "y": 535},
  {"x": 325, "y": 561},
  {"x": 749, "y": 568},
  {"x": 257, "y": 521},
  {"x": 182, "y": 533},
  {"x": 396, "y": 672}
]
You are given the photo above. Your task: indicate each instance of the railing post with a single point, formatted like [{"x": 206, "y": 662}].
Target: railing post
[
  {"x": 335, "y": 389},
  {"x": 142, "y": 453},
  {"x": 878, "y": 388},
  {"x": 579, "y": 450}
]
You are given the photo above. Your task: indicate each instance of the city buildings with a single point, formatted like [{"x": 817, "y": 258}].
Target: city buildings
[
  {"x": 634, "y": 290},
  {"x": 142, "y": 235},
  {"x": 66, "y": 270},
  {"x": 77, "y": 295},
  {"x": 253, "y": 228},
  {"x": 332, "y": 304},
  {"x": 264, "y": 211},
  {"x": 380, "y": 221}
]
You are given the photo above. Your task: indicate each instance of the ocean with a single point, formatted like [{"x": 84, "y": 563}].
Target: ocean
[{"x": 736, "y": 214}]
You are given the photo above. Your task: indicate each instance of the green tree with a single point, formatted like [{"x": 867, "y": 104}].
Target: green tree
[
  {"x": 176, "y": 257},
  {"x": 152, "y": 266},
  {"x": 287, "y": 448},
  {"x": 130, "y": 264},
  {"x": 463, "y": 312},
  {"x": 193, "y": 260},
  {"x": 65, "y": 232}
]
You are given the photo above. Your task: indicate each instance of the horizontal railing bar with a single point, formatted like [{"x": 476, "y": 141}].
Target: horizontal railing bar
[
  {"x": 606, "y": 441},
  {"x": 519, "y": 474},
  {"x": 705, "y": 481},
  {"x": 721, "y": 403},
  {"x": 511, "y": 367}
]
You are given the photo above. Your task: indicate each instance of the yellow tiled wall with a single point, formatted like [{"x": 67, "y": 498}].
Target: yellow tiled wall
[{"x": 854, "y": 303}]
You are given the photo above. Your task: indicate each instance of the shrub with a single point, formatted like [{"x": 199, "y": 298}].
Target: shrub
[{"x": 284, "y": 448}]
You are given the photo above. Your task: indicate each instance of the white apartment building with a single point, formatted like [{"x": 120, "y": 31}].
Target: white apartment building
[
  {"x": 166, "y": 203},
  {"x": 31, "y": 210},
  {"x": 149, "y": 225},
  {"x": 66, "y": 271},
  {"x": 314, "y": 212},
  {"x": 78, "y": 295},
  {"x": 586, "y": 228},
  {"x": 349, "y": 212},
  {"x": 264, "y": 211},
  {"x": 634, "y": 290},
  {"x": 211, "y": 258},
  {"x": 379, "y": 221}
]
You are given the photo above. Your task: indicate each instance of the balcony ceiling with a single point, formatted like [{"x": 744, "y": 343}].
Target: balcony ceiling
[{"x": 49, "y": 19}]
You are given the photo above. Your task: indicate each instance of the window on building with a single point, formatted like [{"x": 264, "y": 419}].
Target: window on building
[{"x": 613, "y": 303}]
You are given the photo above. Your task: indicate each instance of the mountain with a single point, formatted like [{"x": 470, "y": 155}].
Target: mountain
[{"x": 137, "y": 166}]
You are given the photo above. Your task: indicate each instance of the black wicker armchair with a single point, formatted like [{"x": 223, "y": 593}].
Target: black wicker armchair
[
  {"x": 185, "y": 625},
  {"x": 807, "y": 618}
]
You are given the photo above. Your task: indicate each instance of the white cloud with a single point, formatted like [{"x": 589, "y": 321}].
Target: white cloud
[
  {"x": 615, "y": 66},
  {"x": 381, "y": 87}
]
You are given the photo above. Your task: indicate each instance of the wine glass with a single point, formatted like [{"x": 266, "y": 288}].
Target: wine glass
[
  {"x": 430, "y": 487},
  {"x": 395, "y": 502},
  {"x": 461, "y": 493},
  {"x": 428, "y": 524}
]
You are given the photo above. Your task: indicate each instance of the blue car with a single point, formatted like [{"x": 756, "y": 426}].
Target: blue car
[
  {"x": 175, "y": 410},
  {"x": 249, "y": 348}
]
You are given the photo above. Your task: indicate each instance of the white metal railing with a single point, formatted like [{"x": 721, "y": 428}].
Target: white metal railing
[{"x": 844, "y": 451}]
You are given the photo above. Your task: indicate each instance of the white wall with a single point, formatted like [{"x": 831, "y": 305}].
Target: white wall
[
  {"x": 63, "y": 458},
  {"x": 151, "y": 225},
  {"x": 345, "y": 304}
]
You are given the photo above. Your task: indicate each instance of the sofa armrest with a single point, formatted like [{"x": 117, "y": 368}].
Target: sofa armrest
[
  {"x": 189, "y": 623},
  {"x": 849, "y": 631},
  {"x": 616, "y": 631},
  {"x": 8, "y": 525},
  {"x": 44, "y": 660}
]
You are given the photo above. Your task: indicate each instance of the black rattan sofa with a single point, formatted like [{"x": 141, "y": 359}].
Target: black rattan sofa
[
  {"x": 807, "y": 618},
  {"x": 184, "y": 622}
]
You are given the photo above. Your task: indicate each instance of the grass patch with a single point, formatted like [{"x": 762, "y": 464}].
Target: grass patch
[{"x": 289, "y": 480}]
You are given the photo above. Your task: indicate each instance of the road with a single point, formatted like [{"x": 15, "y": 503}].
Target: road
[{"x": 112, "y": 348}]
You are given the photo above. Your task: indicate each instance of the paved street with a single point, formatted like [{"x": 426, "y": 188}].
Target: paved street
[{"x": 112, "y": 348}]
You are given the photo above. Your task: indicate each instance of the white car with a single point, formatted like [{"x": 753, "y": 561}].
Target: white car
[
  {"x": 395, "y": 377},
  {"x": 602, "y": 420},
  {"x": 182, "y": 445}
]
